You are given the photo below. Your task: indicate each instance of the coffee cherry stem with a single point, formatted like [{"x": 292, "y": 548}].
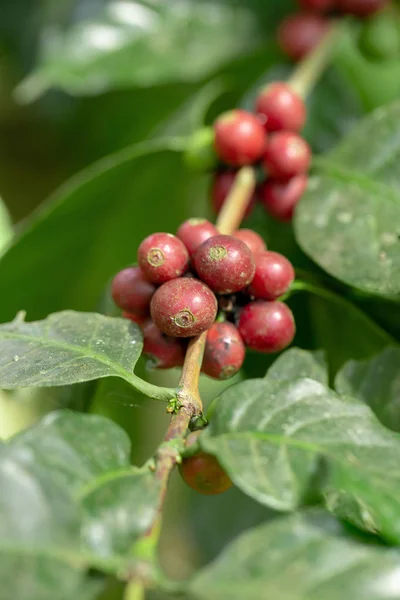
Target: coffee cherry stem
[{"x": 314, "y": 64}]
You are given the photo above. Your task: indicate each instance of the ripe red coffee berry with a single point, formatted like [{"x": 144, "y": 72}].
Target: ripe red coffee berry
[
  {"x": 298, "y": 34},
  {"x": 194, "y": 232},
  {"x": 280, "y": 197},
  {"x": 251, "y": 239},
  {"x": 287, "y": 154},
  {"x": 361, "y": 8},
  {"x": 225, "y": 264},
  {"x": 162, "y": 256},
  {"x": 267, "y": 326},
  {"x": 239, "y": 138},
  {"x": 221, "y": 187},
  {"x": 183, "y": 307},
  {"x": 317, "y": 5},
  {"x": 224, "y": 352},
  {"x": 273, "y": 277},
  {"x": 202, "y": 472},
  {"x": 165, "y": 352},
  {"x": 131, "y": 291},
  {"x": 279, "y": 107},
  {"x": 138, "y": 319}
]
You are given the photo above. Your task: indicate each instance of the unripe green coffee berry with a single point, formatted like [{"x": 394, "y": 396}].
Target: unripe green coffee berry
[{"x": 200, "y": 154}]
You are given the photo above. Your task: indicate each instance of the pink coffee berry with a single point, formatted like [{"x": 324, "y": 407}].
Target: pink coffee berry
[
  {"x": 194, "y": 232},
  {"x": 361, "y": 8},
  {"x": 166, "y": 352},
  {"x": 162, "y": 256},
  {"x": 251, "y": 239},
  {"x": 224, "y": 352},
  {"x": 221, "y": 186},
  {"x": 298, "y": 34},
  {"x": 287, "y": 154},
  {"x": 225, "y": 264},
  {"x": 239, "y": 138},
  {"x": 131, "y": 291},
  {"x": 183, "y": 307},
  {"x": 273, "y": 277},
  {"x": 279, "y": 107},
  {"x": 280, "y": 197},
  {"x": 267, "y": 326},
  {"x": 317, "y": 5}
]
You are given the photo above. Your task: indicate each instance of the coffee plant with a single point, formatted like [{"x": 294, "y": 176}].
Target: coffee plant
[{"x": 199, "y": 329}]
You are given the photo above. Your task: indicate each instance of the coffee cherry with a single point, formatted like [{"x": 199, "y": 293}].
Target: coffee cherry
[
  {"x": 286, "y": 155},
  {"x": 138, "y": 319},
  {"x": 280, "y": 198},
  {"x": 224, "y": 263},
  {"x": 166, "y": 352},
  {"x": 279, "y": 107},
  {"x": 200, "y": 154},
  {"x": 298, "y": 34},
  {"x": 162, "y": 257},
  {"x": 267, "y": 326},
  {"x": 183, "y": 307},
  {"x": 224, "y": 352},
  {"x": 317, "y": 5},
  {"x": 251, "y": 239},
  {"x": 221, "y": 187},
  {"x": 361, "y": 8},
  {"x": 131, "y": 291},
  {"x": 194, "y": 232},
  {"x": 239, "y": 138},
  {"x": 273, "y": 277},
  {"x": 202, "y": 472}
]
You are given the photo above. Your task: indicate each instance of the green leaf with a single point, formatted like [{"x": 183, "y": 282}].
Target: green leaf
[
  {"x": 347, "y": 221},
  {"x": 92, "y": 226},
  {"x": 300, "y": 557},
  {"x": 297, "y": 363},
  {"x": 376, "y": 382},
  {"x": 145, "y": 43},
  {"x": 70, "y": 502},
  {"x": 71, "y": 347},
  {"x": 270, "y": 435}
]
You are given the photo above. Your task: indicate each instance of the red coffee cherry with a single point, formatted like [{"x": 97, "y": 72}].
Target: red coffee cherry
[
  {"x": 286, "y": 155},
  {"x": 131, "y": 291},
  {"x": 165, "y": 352},
  {"x": 162, "y": 256},
  {"x": 225, "y": 264},
  {"x": 279, "y": 107},
  {"x": 267, "y": 326},
  {"x": 317, "y": 5},
  {"x": 361, "y": 8},
  {"x": 221, "y": 187},
  {"x": 298, "y": 34},
  {"x": 280, "y": 198},
  {"x": 224, "y": 352},
  {"x": 273, "y": 277},
  {"x": 251, "y": 239},
  {"x": 194, "y": 232},
  {"x": 138, "y": 319},
  {"x": 202, "y": 472},
  {"x": 183, "y": 307},
  {"x": 239, "y": 138}
]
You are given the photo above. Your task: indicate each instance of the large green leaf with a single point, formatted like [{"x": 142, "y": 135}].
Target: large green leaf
[
  {"x": 71, "y": 347},
  {"x": 300, "y": 557},
  {"x": 271, "y": 433},
  {"x": 125, "y": 43},
  {"x": 377, "y": 383},
  {"x": 70, "y": 501},
  {"x": 348, "y": 221},
  {"x": 91, "y": 228}
]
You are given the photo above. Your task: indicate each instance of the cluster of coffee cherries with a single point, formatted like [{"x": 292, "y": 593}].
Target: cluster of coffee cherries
[
  {"x": 299, "y": 33},
  {"x": 199, "y": 280},
  {"x": 268, "y": 137}
]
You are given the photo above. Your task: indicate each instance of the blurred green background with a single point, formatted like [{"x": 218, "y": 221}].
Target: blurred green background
[{"x": 98, "y": 100}]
